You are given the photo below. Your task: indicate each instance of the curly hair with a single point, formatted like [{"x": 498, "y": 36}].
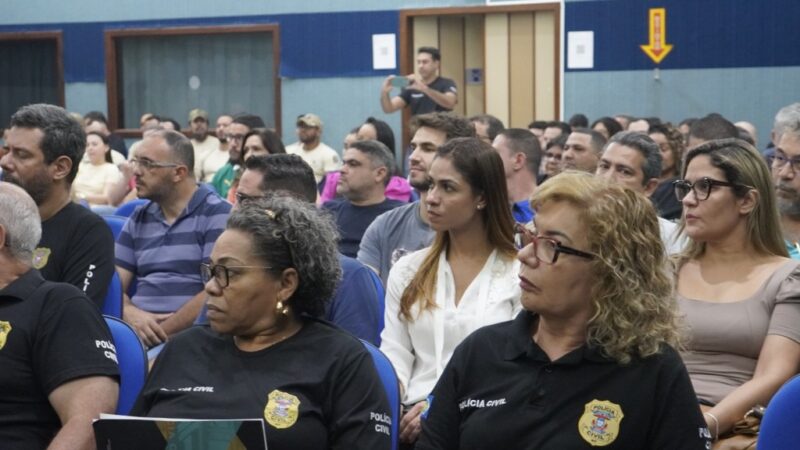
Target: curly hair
[
  {"x": 675, "y": 140},
  {"x": 290, "y": 233},
  {"x": 634, "y": 309}
]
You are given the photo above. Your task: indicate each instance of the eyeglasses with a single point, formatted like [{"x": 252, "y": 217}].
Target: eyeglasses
[
  {"x": 702, "y": 187},
  {"x": 148, "y": 164},
  {"x": 779, "y": 161},
  {"x": 222, "y": 274},
  {"x": 235, "y": 137},
  {"x": 546, "y": 249},
  {"x": 240, "y": 198}
]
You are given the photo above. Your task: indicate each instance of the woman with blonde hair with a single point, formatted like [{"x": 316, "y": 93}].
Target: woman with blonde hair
[
  {"x": 438, "y": 295},
  {"x": 737, "y": 288},
  {"x": 590, "y": 362}
]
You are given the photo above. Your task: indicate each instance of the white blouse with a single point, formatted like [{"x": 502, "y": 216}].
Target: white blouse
[{"x": 420, "y": 350}]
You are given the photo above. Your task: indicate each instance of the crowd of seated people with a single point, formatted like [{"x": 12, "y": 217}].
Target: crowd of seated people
[{"x": 660, "y": 258}]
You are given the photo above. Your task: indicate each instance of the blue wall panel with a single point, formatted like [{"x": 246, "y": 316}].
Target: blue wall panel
[
  {"x": 705, "y": 33},
  {"x": 312, "y": 45}
]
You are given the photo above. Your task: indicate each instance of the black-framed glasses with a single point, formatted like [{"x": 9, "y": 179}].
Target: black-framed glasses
[
  {"x": 779, "y": 161},
  {"x": 235, "y": 137},
  {"x": 546, "y": 249},
  {"x": 240, "y": 197},
  {"x": 702, "y": 187},
  {"x": 148, "y": 164},
  {"x": 222, "y": 274}
]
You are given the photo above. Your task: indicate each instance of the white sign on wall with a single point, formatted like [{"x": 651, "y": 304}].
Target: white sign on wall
[
  {"x": 384, "y": 52},
  {"x": 580, "y": 50}
]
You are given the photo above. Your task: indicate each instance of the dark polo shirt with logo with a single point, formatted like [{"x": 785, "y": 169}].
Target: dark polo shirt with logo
[
  {"x": 500, "y": 390},
  {"x": 316, "y": 389},
  {"x": 50, "y": 333}
]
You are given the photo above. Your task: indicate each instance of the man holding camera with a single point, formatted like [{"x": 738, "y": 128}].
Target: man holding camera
[{"x": 423, "y": 92}]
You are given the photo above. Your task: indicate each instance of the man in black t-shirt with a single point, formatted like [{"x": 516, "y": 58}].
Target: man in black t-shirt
[
  {"x": 59, "y": 365},
  {"x": 45, "y": 148},
  {"x": 426, "y": 91}
]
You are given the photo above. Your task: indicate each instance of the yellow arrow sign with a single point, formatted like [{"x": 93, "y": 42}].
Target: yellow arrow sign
[{"x": 658, "y": 48}]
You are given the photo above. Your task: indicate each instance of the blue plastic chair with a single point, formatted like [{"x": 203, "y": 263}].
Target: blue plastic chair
[
  {"x": 778, "y": 430},
  {"x": 112, "y": 305},
  {"x": 132, "y": 363},
  {"x": 390, "y": 384},
  {"x": 126, "y": 209},
  {"x": 116, "y": 223}
]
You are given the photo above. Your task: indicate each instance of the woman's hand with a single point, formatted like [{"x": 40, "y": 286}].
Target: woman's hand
[{"x": 410, "y": 426}]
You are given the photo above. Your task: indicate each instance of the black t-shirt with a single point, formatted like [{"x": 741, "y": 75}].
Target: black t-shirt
[
  {"x": 353, "y": 221},
  {"x": 500, "y": 390},
  {"x": 665, "y": 201},
  {"x": 317, "y": 389},
  {"x": 50, "y": 333},
  {"x": 420, "y": 103},
  {"x": 77, "y": 247}
]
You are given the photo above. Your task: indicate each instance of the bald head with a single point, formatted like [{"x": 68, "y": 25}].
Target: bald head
[{"x": 20, "y": 224}]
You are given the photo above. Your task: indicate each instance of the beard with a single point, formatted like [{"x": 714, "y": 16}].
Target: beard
[
  {"x": 38, "y": 186},
  {"x": 789, "y": 206}
]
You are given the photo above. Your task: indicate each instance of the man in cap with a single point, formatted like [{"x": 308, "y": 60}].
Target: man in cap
[
  {"x": 203, "y": 143},
  {"x": 316, "y": 154}
]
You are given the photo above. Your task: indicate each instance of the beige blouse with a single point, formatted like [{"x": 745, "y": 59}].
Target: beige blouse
[{"x": 725, "y": 339}]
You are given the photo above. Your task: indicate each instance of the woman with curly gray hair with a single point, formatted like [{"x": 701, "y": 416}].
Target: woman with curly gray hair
[
  {"x": 265, "y": 354},
  {"x": 590, "y": 362}
]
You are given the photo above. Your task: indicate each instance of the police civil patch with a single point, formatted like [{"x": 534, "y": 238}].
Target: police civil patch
[
  {"x": 5, "y": 328},
  {"x": 599, "y": 424},
  {"x": 282, "y": 409}
]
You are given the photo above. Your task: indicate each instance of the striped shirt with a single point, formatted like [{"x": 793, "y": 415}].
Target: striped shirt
[{"x": 165, "y": 258}]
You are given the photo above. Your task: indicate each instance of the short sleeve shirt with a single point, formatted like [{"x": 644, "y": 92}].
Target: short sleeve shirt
[
  {"x": 353, "y": 221},
  {"x": 316, "y": 389},
  {"x": 50, "y": 333},
  {"x": 420, "y": 103},
  {"x": 77, "y": 247},
  {"x": 393, "y": 235},
  {"x": 725, "y": 339},
  {"x": 166, "y": 258},
  {"x": 500, "y": 390}
]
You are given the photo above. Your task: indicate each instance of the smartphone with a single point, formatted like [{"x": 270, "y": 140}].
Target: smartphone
[{"x": 399, "y": 82}]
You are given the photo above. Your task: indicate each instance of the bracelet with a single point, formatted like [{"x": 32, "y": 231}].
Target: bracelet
[{"x": 716, "y": 425}]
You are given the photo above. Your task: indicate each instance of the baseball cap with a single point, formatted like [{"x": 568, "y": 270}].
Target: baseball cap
[
  {"x": 310, "y": 120},
  {"x": 195, "y": 113}
]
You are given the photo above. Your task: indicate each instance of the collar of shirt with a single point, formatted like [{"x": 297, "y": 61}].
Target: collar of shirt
[
  {"x": 519, "y": 344},
  {"x": 23, "y": 287},
  {"x": 198, "y": 198}
]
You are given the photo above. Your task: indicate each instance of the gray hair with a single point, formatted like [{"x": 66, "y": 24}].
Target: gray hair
[
  {"x": 19, "y": 216},
  {"x": 180, "y": 147},
  {"x": 378, "y": 154},
  {"x": 787, "y": 119},
  {"x": 644, "y": 144},
  {"x": 290, "y": 233}
]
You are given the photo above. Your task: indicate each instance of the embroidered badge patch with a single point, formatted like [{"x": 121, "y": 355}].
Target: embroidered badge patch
[
  {"x": 5, "y": 328},
  {"x": 599, "y": 424},
  {"x": 282, "y": 409},
  {"x": 40, "y": 257}
]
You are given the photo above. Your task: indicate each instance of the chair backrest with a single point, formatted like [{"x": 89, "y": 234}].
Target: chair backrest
[
  {"x": 112, "y": 305},
  {"x": 126, "y": 209},
  {"x": 777, "y": 430},
  {"x": 132, "y": 363},
  {"x": 116, "y": 223},
  {"x": 390, "y": 384}
]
